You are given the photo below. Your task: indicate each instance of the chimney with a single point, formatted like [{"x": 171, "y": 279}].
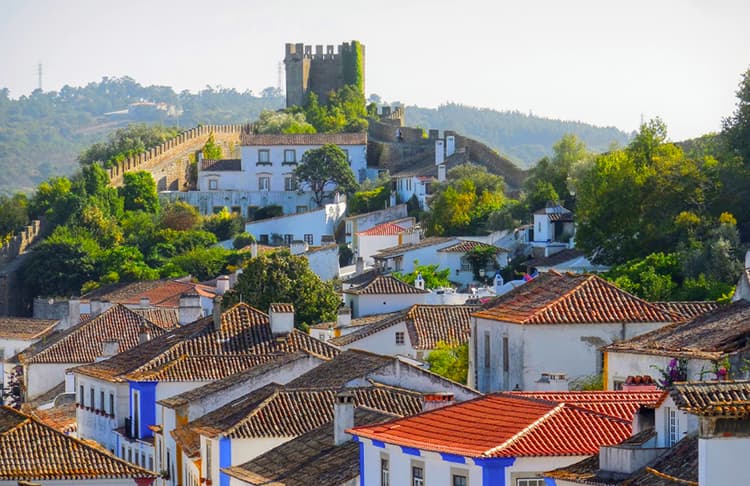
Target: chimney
[
  {"x": 419, "y": 282},
  {"x": 359, "y": 265},
  {"x": 189, "y": 309},
  {"x": 450, "y": 145},
  {"x": 281, "y": 318},
  {"x": 433, "y": 401},
  {"x": 298, "y": 247},
  {"x": 253, "y": 249},
  {"x": 640, "y": 383},
  {"x": 234, "y": 277},
  {"x": 442, "y": 173},
  {"x": 99, "y": 306},
  {"x": 217, "y": 313},
  {"x": 439, "y": 152},
  {"x": 343, "y": 417},
  {"x": 499, "y": 282},
  {"x": 109, "y": 349},
  {"x": 145, "y": 302},
  {"x": 747, "y": 259},
  {"x": 143, "y": 334},
  {"x": 74, "y": 313},
  {"x": 222, "y": 285},
  {"x": 392, "y": 199},
  {"x": 552, "y": 382},
  {"x": 344, "y": 317}
]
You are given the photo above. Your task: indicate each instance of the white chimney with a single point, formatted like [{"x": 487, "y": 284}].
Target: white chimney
[
  {"x": 344, "y": 317},
  {"x": 433, "y": 401},
  {"x": 110, "y": 348},
  {"x": 234, "y": 277},
  {"x": 253, "y": 249},
  {"x": 747, "y": 259},
  {"x": 499, "y": 282},
  {"x": 442, "y": 173},
  {"x": 222, "y": 285},
  {"x": 552, "y": 382},
  {"x": 343, "y": 417},
  {"x": 392, "y": 199},
  {"x": 450, "y": 145},
  {"x": 298, "y": 247},
  {"x": 281, "y": 318},
  {"x": 439, "y": 151},
  {"x": 99, "y": 306},
  {"x": 360, "y": 265},
  {"x": 145, "y": 302},
  {"x": 189, "y": 309},
  {"x": 216, "y": 322},
  {"x": 143, "y": 334},
  {"x": 419, "y": 282},
  {"x": 74, "y": 313}
]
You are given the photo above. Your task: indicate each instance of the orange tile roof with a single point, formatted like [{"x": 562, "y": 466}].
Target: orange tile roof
[
  {"x": 715, "y": 399},
  {"x": 61, "y": 418},
  {"x": 24, "y": 328},
  {"x": 221, "y": 164},
  {"x": 30, "y": 450},
  {"x": 160, "y": 293},
  {"x": 384, "y": 285},
  {"x": 243, "y": 340},
  {"x": 620, "y": 403},
  {"x": 384, "y": 229},
  {"x": 305, "y": 139},
  {"x": 468, "y": 245},
  {"x": 554, "y": 298},
  {"x": 689, "y": 309},
  {"x": 503, "y": 425},
  {"x": 83, "y": 342},
  {"x": 281, "y": 308}
]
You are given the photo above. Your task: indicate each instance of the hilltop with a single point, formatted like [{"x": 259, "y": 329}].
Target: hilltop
[{"x": 42, "y": 134}]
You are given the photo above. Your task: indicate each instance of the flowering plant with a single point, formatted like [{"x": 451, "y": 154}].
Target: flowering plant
[{"x": 675, "y": 371}]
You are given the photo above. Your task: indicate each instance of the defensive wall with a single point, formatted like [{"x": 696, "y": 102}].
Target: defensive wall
[
  {"x": 169, "y": 162},
  {"x": 12, "y": 254}
]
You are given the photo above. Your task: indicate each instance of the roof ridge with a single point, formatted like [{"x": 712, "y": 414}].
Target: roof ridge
[
  {"x": 522, "y": 433},
  {"x": 642, "y": 301},
  {"x": 558, "y": 299}
]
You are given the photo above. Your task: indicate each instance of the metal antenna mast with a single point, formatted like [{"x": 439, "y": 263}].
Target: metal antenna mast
[
  {"x": 281, "y": 73},
  {"x": 39, "y": 74}
]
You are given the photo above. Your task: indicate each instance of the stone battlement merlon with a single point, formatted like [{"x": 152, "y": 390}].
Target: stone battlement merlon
[{"x": 303, "y": 51}]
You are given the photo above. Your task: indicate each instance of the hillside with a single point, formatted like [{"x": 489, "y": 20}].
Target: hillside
[
  {"x": 42, "y": 134},
  {"x": 523, "y": 138}
]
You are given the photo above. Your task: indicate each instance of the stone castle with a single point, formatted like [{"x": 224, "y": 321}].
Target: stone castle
[{"x": 318, "y": 72}]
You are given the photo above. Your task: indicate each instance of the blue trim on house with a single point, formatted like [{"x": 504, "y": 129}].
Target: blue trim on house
[
  {"x": 453, "y": 458},
  {"x": 147, "y": 395},
  {"x": 356, "y": 439},
  {"x": 361, "y": 462},
  {"x": 378, "y": 443},
  {"x": 225, "y": 459},
  {"x": 410, "y": 451},
  {"x": 493, "y": 469},
  {"x": 550, "y": 482}
]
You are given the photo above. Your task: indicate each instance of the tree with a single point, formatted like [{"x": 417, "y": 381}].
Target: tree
[
  {"x": 224, "y": 225},
  {"x": 736, "y": 128},
  {"x": 126, "y": 142},
  {"x": 139, "y": 192},
  {"x": 433, "y": 278},
  {"x": 281, "y": 277},
  {"x": 14, "y": 214},
  {"x": 180, "y": 216},
  {"x": 211, "y": 150},
  {"x": 451, "y": 362},
  {"x": 282, "y": 122},
  {"x": 324, "y": 171}
]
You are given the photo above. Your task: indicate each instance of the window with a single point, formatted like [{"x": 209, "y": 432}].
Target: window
[
  {"x": 130, "y": 455},
  {"x": 218, "y": 209},
  {"x": 143, "y": 459},
  {"x": 81, "y": 396},
  {"x": 92, "y": 393},
  {"x": 136, "y": 414},
  {"x": 209, "y": 461},
  {"x": 417, "y": 475},
  {"x": 264, "y": 183},
  {"x": 263, "y": 239},
  {"x": 290, "y": 184},
  {"x": 151, "y": 463},
  {"x": 236, "y": 210},
  {"x": 290, "y": 156},
  {"x": 301, "y": 209},
  {"x": 530, "y": 482},
  {"x": 486, "y": 349},
  {"x": 122, "y": 452},
  {"x": 112, "y": 404},
  {"x": 408, "y": 184},
  {"x": 459, "y": 480},
  {"x": 671, "y": 425},
  {"x": 399, "y": 337},
  {"x": 506, "y": 358},
  {"x": 101, "y": 401},
  {"x": 288, "y": 239},
  {"x": 465, "y": 264},
  {"x": 309, "y": 238},
  {"x": 264, "y": 156},
  {"x": 213, "y": 184},
  {"x": 385, "y": 472}
]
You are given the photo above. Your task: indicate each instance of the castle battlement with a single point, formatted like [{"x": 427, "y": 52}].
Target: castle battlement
[{"x": 304, "y": 51}]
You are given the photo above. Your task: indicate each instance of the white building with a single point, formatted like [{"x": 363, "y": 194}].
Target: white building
[
  {"x": 496, "y": 439},
  {"x": 17, "y": 334},
  {"x": 382, "y": 236},
  {"x": 396, "y": 214},
  {"x": 316, "y": 227},
  {"x": 553, "y": 230},
  {"x": 699, "y": 347},
  {"x": 554, "y": 324},
  {"x": 382, "y": 294},
  {"x": 401, "y": 258}
]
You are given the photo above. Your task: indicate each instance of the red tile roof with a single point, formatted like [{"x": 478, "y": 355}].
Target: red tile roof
[
  {"x": 160, "y": 293},
  {"x": 397, "y": 250},
  {"x": 688, "y": 309},
  {"x": 30, "y": 450},
  {"x": 554, "y": 298},
  {"x": 243, "y": 340},
  {"x": 305, "y": 139},
  {"x": 621, "y": 404},
  {"x": 385, "y": 285},
  {"x": 468, "y": 245},
  {"x": 83, "y": 342},
  {"x": 221, "y": 165},
  {"x": 503, "y": 426},
  {"x": 716, "y": 399},
  {"x": 25, "y": 329},
  {"x": 385, "y": 229}
]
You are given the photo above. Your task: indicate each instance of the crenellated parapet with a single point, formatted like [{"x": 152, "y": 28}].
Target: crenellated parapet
[{"x": 20, "y": 242}]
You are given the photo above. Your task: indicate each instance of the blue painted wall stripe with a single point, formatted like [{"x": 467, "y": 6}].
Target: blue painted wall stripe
[
  {"x": 147, "y": 397},
  {"x": 378, "y": 443},
  {"x": 410, "y": 451},
  {"x": 453, "y": 458},
  {"x": 225, "y": 459},
  {"x": 361, "y": 462}
]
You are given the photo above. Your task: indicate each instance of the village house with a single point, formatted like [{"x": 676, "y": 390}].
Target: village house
[
  {"x": 382, "y": 294},
  {"x": 357, "y": 223},
  {"x": 553, "y": 230},
  {"x": 400, "y": 258},
  {"x": 34, "y": 454},
  {"x": 568, "y": 260},
  {"x": 555, "y": 323},
  {"x": 315, "y": 227},
  {"x": 710, "y": 346},
  {"x": 275, "y": 414},
  {"x": 120, "y": 394},
  {"x": 414, "y": 332},
  {"x": 496, "y": 439},
  {"x": 382, "y": 236}
]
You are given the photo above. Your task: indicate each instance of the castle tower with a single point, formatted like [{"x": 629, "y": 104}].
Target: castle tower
[{"x": 322, "y": 71}]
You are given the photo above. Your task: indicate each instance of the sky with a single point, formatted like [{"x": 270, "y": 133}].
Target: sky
[{"x": 609, "y": 63}]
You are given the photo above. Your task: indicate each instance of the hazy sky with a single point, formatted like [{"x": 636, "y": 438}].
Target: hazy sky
[{"x": 601, "y": 62}]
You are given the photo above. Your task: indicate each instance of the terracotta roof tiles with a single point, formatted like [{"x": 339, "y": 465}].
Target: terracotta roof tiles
[
  {"x": 384, "y": 229},
  {"x": 30, "y": 450},
  {"x": 282, "y": 308},
  {"x": 221, "y": 165},
  {"x": 554, "y": 298},
  {"x": 401, "y": 249},
  {"x": 688, "y": 309},
  {"x": 620, "y": 403},
  {"x": 160, "y": 293},
  {"x": 304, "y": 139},
  {"x": 468, "y": 245},
  {"x": 717, "y": 399},
  {"x": 385, "y": 285},
  {"x": 503, "y": 426},
  {"x": 25, "y": 329}
]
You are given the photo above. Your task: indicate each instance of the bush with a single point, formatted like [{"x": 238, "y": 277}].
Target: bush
[
  {"x": 242, "y": 240},
  {"x": 266, "y": 212}
]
